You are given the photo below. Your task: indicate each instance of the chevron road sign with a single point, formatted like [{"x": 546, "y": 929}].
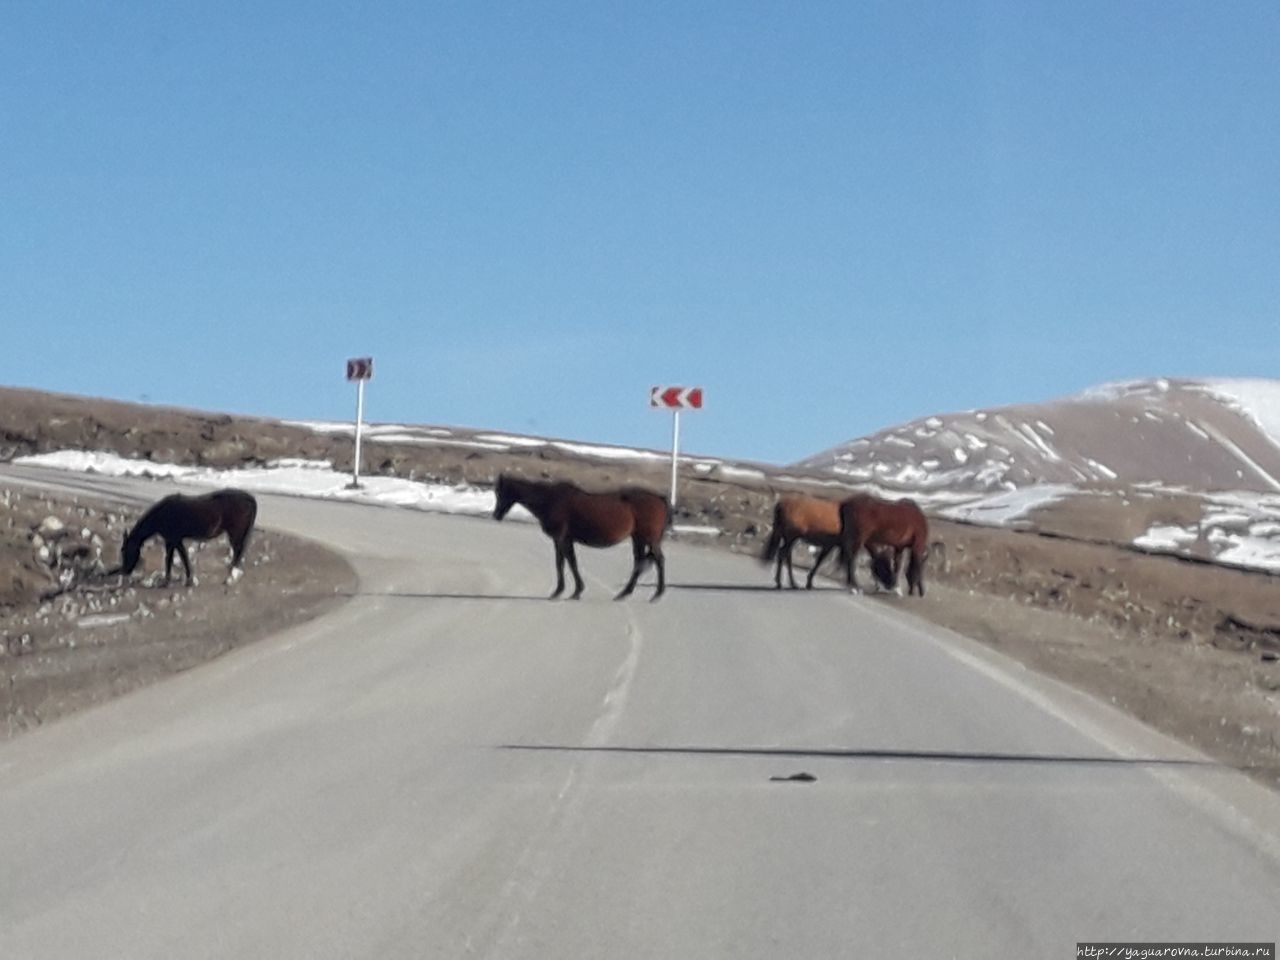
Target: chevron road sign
[
  {"x": 676, "y": 398},
  {"x": 359, "y": 369}
]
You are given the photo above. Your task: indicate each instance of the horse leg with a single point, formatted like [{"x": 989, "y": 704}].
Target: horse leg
[
  {"x": 238, "y": 545},
  {"x": 777, "y": 569},
  {"x": 660, "y": 562},
  {"x": 572, "y": 556},
  {"x": 789, "y": 549},
  {"x": 559, "y": 571},
  {"x": 234, "y": 570},
  {"x": 186, "y": 562},
  {"x": 169, "y": 549},
  {"x": 637, "y": 564},
  {"x": 850, "y": 562},
  {"x": 915, "y": 573},
  {"x": 822, "y": 555}
]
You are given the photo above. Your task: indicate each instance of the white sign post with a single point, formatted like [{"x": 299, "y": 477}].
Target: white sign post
[
  {"x": 675, "y": 399},
  {"x": 359, "y": 369}
]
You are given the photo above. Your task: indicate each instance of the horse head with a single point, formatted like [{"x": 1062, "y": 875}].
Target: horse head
[{"x": 130, "y": 553}]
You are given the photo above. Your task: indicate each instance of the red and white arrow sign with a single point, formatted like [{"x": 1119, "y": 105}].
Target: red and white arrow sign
[{"x": 676, "y": 398}]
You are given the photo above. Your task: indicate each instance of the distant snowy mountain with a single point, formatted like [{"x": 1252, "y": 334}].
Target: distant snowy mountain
[{"x": 1201, "y": 435}]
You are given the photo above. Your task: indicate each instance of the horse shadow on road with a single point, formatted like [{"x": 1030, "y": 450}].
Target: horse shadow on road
[{"x": 438, "y": 595}]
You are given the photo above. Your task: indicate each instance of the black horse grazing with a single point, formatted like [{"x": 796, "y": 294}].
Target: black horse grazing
[
  {"x": 178, "y": 517},
  {"x": 568, "y": 515},
  {"x": 882, "y": 525}
]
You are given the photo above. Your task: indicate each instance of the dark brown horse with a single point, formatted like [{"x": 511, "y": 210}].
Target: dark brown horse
[
  {"x": 569, "y": 515},
  {"x": 900, "y": 526},
  {"x": 178, "y": 517}
]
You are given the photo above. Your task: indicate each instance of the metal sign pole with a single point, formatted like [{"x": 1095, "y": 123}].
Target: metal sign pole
[
  {"x": 675, "y": 451},
  {"x": 355, "y": 473}
]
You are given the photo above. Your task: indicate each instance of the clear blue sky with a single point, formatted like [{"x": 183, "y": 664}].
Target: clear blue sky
[{"x": 834, "y": 217}]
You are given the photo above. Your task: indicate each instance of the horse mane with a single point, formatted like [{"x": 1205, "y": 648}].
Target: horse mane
[{"x": 148, "y": 524}]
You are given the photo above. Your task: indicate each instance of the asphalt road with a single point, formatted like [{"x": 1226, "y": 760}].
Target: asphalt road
[{"x": 452, "y": 766}]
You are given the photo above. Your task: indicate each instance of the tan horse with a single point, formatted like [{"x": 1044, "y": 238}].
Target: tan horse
[
  {"x": 798, "y": 517},
  {"x": 882, "y": 525},
  {"x": 570, "y": 515}
]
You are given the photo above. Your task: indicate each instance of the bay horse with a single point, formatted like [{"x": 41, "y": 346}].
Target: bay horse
[
  {"x": 570, "y": 515},
  {"x": 179, "y": 517},
  {"x": 896, "y": 525}
]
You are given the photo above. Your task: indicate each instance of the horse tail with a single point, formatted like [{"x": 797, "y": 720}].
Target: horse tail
[{"x": 775, "y": 537}]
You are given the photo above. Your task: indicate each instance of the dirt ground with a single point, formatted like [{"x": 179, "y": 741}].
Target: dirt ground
[
  {"x": 1188, "y": 647},
  {"x": 71, "y": 637}
]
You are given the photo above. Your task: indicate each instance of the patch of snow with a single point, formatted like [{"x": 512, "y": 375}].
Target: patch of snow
[
  {"x": 1255, "y": 399},
  {"x": 1004, "y": 508},
  {"x": 309, "y": 478},
  {"x": 741, "y": 473},
  {"x": 510, "y": 441},
  {"x": 608, "y": 453},
  {"x": 1027, "y": 432},
  {"x": 1241, "y": 529},
  {"x": 412, "y": 438},
  {"x": 1242, "y": 456},
  {"x": 1101, "y": 468},
  {"x": 1167, "y": 537}
]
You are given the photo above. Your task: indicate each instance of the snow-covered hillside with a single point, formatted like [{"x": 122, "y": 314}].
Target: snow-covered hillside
[
  {"x": 1193, "y": 434},
  {"x": 1215, "y": 440}
]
